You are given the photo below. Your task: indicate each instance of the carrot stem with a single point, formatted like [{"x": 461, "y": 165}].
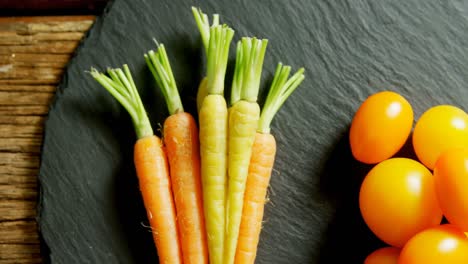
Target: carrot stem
[
  {"x": 122, "y": 87},
  {"x": 203, "y": 24},
  {"x": 248, "y": 69},
  {"x": 280, "y": 90},
  {"x": 160, "y": 67},
  {"x": 218, "y": 52},
  {"x": 236, "y": 88}
]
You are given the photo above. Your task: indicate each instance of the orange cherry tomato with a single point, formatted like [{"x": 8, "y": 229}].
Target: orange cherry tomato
[
  {"x": 439, "y": 245},
  {"x": 385, "y": 255},
  {"x": 397, "y": 200},
  {"x": 380, "y": 127},
  {"x": 451, "y": 182},
  {"x": 438, "y": 129}
]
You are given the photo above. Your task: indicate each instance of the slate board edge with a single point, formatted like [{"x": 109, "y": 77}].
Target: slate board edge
[{"x": 44, "y": 247}]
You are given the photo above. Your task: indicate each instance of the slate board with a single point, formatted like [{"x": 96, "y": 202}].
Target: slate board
[{"x": 90, "y": 208}]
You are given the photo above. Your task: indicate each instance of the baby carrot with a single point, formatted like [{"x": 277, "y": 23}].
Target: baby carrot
[
  {"x": 180, "y": 136},
  {"x": 213, "y": 141},
  {"x": 243, "y": 121},
  {"x": 203, "y": 24},
  {"x": 151, "y": 165},
  {"x": 261, "y": 165}
]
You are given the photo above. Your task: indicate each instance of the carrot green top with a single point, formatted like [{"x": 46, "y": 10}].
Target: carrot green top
[
  {"x": 159, "y": 66},
  {"x": 121, "y": 86},
  {"x": 248, "y": 70},
  {"x": 203, "y": 24},
  {"x": 216, "y": 40},
  {"x": 281, "y": 88}
]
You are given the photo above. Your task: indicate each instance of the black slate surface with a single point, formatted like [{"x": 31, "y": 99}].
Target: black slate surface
[{"x": 90, "y": 207}]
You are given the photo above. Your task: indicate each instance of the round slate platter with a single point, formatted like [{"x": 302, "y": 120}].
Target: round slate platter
[{"x": 90, "y": 208}]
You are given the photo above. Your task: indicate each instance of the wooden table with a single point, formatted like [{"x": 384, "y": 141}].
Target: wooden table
[{"x": 33, "y": 54}]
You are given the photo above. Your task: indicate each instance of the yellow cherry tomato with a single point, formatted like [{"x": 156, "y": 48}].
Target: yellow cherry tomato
[
  {"x": 397, "y": 200},
  {"x": 380, "y": 127},
  {"x": 438, "y": 129},
  {"x": 438, "y": 245},
  {"x": 451, "y": 182},
  {"x": 385, "y": 255}
]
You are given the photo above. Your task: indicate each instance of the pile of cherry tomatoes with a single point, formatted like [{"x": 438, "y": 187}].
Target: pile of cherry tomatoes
[{"x": 417, "y": 206}]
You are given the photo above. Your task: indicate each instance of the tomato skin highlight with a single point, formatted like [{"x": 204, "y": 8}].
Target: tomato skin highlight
[
  {"x": 397, "y": 200},
  {"x": 442, "y": 244},
  {"x": 380, "y": 127},
  {"x": 451, "y": 181},
  {"x": 385, "y": 255},
  {"x": 439, "y": 128}
]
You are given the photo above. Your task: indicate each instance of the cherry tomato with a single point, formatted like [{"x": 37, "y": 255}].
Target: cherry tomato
[
  {"x": 438, "y": 245},
  {"x": 451, "y": 182},
  {"x": 385, "y": 255},
  {"x": 438, "y": 129},
  {"x": 380, "y": 127},
  {"x": 397, "y": 199}
]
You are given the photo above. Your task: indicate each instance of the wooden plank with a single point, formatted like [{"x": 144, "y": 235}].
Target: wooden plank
[
  {"x": 33, "y": 54},
  {"x": 22, "y": 120},
  {"x": 21, "y": 248},
  {"x": 25, "y": 98},
  {"x": 12, "y": 209},
  {"x": 20, "y": 258},
  {"x": 11, "y": 175},
  {"x": 23, "y": 145},
  {"x": 19, "y": 191},
  {"x": 15, "y": 38},
  {"x": 17, "y": 72},
  {"x": 19, "y": 232},
  {"x": 30, "y": 25},
  {"x": 19, "y": 131},
  {"x": 44, "y": 19},
  {"x": 34, "y": 60},
  {"x": 19, "y": 160},
  {"x": 30, "y": 81},
  {"x": 23, "y": 110},
  {"x": 56, "y": 47},
  {"x": 28, "y": 88},
  {"x": 20, "y": 253}
]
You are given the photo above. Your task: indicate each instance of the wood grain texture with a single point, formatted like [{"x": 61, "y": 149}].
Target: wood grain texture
[{"x": 33, "y": 54}]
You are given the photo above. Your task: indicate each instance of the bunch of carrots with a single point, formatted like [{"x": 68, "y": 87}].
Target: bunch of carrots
[{"x": 204, "y": 182}]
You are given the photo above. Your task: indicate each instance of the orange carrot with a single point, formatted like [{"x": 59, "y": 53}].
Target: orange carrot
[
  {"x": 261, "y": 165},
  {"x": 151, "y": 165},
  {"x": 152, "y": 170},
  {"x": 258, "y": 179},
  {"x": 180, "y": 136}
]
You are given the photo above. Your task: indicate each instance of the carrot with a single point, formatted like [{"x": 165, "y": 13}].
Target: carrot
[
  {"x": 213, "y": 140},
  {"x": 244, "y": 114},
  {"x": 180, "y": 136},
  {"x": 151, "y": 165},
  {"x": 261, "y": 165},
  {"x": 203, "y": 24}
]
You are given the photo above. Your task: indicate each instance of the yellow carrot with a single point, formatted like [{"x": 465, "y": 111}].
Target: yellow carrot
[
  {"x": 203, "y": 24},
  {"x": 243, "y": 121},
  {"x": 213, "y": 140}
]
